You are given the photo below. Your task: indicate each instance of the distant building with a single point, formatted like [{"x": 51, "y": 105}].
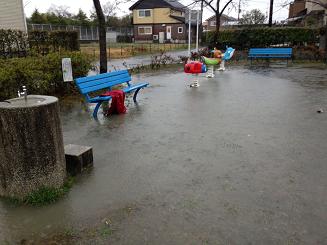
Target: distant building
[
  {"x": 12, "y": 15},
  {"x": 160, "y": 21},
  {"x": 225, "y": 20},
  {"x": 304, "y": 13}
]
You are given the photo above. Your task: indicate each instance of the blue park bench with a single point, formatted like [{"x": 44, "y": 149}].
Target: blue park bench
[
  {"x": 270, "y": 53},
  {"x": 93, "y": 84}
]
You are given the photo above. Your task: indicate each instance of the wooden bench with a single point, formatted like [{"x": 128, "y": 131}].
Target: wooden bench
[
  {"x": 92, "y": 84},
  {"x": 270, "y": 53}
]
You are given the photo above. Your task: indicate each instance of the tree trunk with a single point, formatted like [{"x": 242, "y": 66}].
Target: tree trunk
[
  {"x": 216, "y": 36},
  {"x": 102, "y": 37},
  {"x": 326, "y": 43}
]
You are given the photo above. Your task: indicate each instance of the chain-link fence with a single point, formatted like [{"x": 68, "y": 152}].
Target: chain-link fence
[{"x": 86, "y": 33}]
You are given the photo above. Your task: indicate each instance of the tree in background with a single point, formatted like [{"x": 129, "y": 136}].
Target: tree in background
[
  {"x": 37, "y": 18},
  {"x": 81, "y": 18},
  {"x": 102, "y": 36},
  {"x": 253, "y": 17},
  {"x": 59, "y": 15}
]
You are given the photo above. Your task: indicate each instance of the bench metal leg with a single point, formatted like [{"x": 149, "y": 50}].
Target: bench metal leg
[
  {"x": 135, "y": 94},
  {"x": 95, "y": 112}
]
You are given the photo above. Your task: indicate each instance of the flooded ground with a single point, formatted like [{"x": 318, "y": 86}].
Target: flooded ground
[{"x": 239, "y": 160}]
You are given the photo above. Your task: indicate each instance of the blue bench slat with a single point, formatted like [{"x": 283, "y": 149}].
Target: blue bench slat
[
  {"x": 270, "y": 56},
  {"x": 253, "y": 53},
  {"x": 99, "y": 98},
  {"x": 134, "y": 87},
  {"x": 100, "y": 76},
  {"x": 270, "y": 53},
  {"x": 104, "y": 85},
  {"x": 111, "y": 81}
]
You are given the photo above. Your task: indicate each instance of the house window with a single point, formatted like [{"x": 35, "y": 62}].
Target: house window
[
  {"x": 180, "y": 30},
  {"x": 145, "y": 30},
  {"x": 213, "y": 23},
  {"x": 144, "y": 13}
]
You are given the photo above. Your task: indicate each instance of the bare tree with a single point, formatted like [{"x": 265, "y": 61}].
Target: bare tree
[
  {"x": 253, "y": 17},
  {"x": 218, "y": 7},
  {"x": 109, "y": 8},
  {"x": 102, "y": 36},
  {"x": 60, "y": 11}
]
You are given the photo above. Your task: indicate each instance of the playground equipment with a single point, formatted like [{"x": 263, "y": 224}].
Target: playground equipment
[
  {"x": 195, "y": 67},
  {"x": 219, "y": 58}
]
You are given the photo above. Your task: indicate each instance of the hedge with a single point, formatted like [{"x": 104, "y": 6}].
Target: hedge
[
  {"x": 41, "y": 74},
  {"x": 264, "y": 37},
  {"x": 13, "y": 43},
  {"x": 44, "y": 41}
]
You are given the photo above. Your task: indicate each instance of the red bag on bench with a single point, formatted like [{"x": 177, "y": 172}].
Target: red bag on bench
[{"x": 117, "y": 102}]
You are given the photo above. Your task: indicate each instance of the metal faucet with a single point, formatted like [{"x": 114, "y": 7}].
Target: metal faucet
[{"x": 24, "y": 93}]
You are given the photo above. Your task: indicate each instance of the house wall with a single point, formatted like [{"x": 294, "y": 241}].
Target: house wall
[
  {"x": 296, "y": 8},
  {"x": 211, "y": 23},
  {"x": 158, "y": 16},
  {"x": 12, "y": 15},
  {"x": 313, "y": 6},
  {"x": 156, "y": 28}
]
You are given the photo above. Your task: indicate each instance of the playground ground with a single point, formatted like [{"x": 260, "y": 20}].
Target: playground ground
[{"x": 239, "y": 160}]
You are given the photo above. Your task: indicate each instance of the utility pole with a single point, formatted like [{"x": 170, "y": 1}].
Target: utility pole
[
  {"x": 189, "y": 33},
  {"x": 197, "y": 30},
  {"x": 239, "y": 10},
  {"x": 271, "y": 9},
  {"x": 201, "y": 21}
]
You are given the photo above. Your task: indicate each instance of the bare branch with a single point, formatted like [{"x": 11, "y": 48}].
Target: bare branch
[
  {"x": 221, "y": 12},
  {"x": 209, "y": 4}
]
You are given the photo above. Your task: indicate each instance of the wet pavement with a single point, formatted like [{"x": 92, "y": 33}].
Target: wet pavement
[
  {"x": 239, "y": 160},
  {"x": 131, "y": 62}
]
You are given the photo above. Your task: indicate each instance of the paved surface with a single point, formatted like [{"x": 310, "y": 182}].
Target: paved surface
[{"x": 239, "y": 160}]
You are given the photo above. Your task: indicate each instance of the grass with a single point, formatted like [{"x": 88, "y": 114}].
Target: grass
[
  {"x": 124, "y": 50},
  {"x": 44, "y": 195}
]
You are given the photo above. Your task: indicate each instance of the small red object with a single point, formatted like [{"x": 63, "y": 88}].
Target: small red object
[
  {"x": 193, "y": 67},
  {"x": 117, "y": 102}
]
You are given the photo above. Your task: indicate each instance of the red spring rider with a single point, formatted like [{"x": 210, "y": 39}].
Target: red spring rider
[{"x": 195, "y": 67}]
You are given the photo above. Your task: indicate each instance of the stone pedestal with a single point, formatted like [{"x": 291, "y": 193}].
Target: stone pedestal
[
  {"x": 78, "y": 158},
  {"x": 31, "y": 146}
]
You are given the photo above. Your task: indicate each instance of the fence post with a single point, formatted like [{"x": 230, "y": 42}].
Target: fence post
[
  {"x": 150, "y": 48},
  {"x": 121, "y": 50},
  {"x": 132, "y": 49}
]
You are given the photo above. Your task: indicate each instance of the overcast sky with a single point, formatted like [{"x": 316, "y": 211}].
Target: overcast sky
[{"x": 280, "y": 12}]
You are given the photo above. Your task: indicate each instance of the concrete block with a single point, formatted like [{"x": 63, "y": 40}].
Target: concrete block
[{"x": 78, "y": 158}]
